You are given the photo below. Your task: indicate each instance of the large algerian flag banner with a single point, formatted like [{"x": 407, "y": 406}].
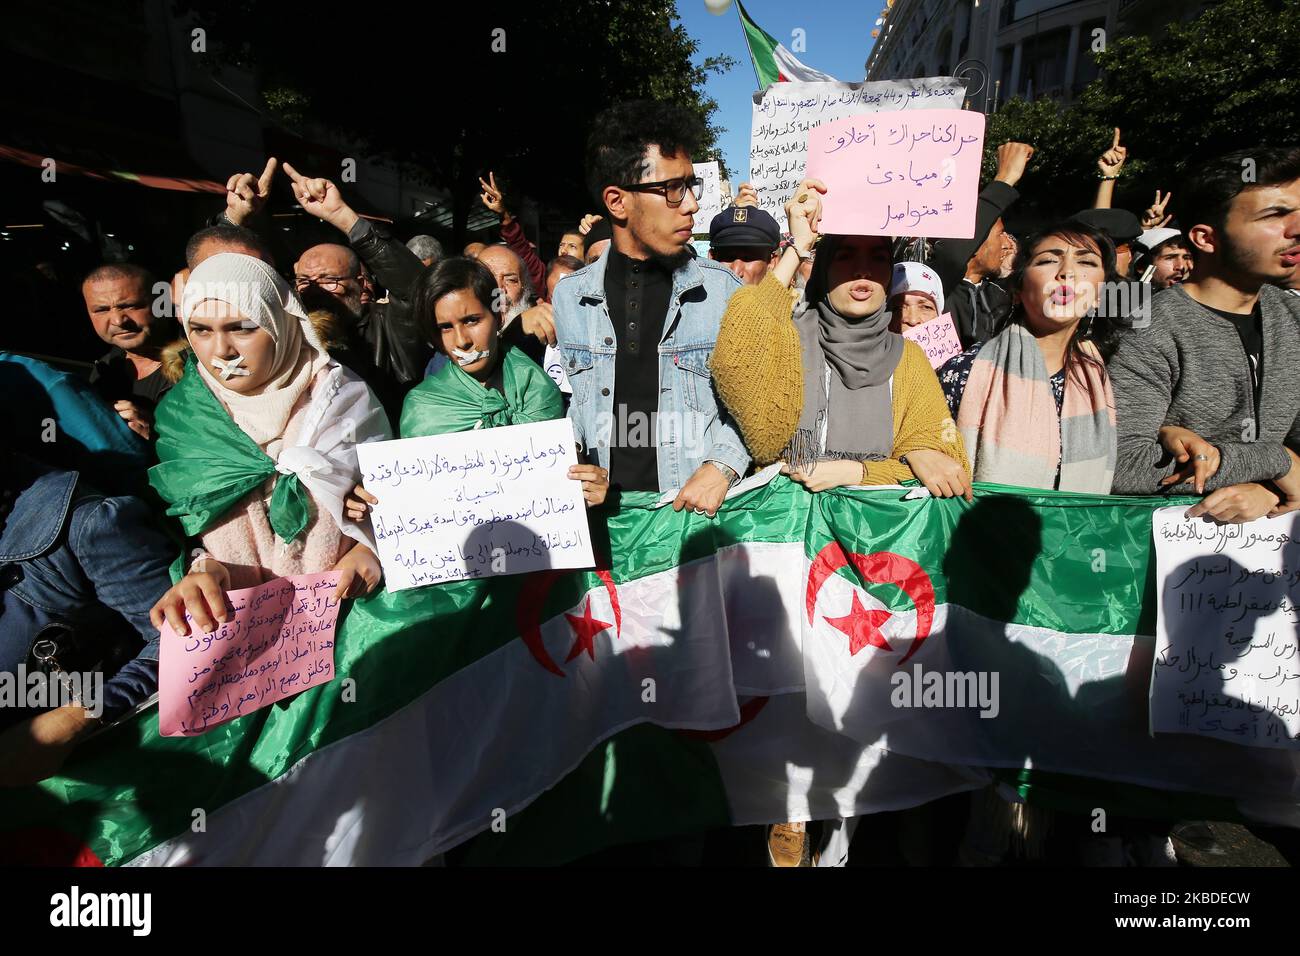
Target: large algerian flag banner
[
  {"x": 800, "y": 656},
  {"x": 772, "y": 61}
]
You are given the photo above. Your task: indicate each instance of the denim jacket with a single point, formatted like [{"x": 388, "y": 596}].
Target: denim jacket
[
  {"x": 692, "y": 425},
  {"x": 71, "y": 555}
]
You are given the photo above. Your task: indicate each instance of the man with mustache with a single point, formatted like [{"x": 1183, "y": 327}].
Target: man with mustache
[
  {"x": 1206, "y": 399},
  {"x": 1167, "y": 253},
  {"x": 129, "y": 376}
]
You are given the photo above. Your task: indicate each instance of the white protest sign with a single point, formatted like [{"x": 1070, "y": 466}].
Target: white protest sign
[
  {"x": 710, "y": 197},
  {"x": 784, "y": 112},
  {"x": 476, "y": 504},
  {"x": 1227, "y": 658}
]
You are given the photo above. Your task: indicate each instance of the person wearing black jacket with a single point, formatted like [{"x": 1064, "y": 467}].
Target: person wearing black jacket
[
  {"x": 383, "y": 330},
  {"x": 979, "y": 306}
]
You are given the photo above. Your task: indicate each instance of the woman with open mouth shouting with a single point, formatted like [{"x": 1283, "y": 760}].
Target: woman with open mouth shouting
[
  {"x": 1034, "y": 403},
  {"x": 831, "y": 390}
]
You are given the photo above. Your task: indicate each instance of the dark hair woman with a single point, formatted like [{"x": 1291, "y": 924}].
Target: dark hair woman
[
  {"x": 487, "y": 383},
  {"x": 1034, "y": 403}
]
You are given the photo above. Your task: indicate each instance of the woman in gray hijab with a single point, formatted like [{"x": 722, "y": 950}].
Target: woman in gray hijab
[{"x": 830, "y": 390}]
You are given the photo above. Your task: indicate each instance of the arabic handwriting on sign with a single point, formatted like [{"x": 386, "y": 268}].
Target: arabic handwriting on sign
[
  {"x": 272, "y": 649},
  {"x": 1228, "y": 652},
  {"x": 441, "y": 530}
]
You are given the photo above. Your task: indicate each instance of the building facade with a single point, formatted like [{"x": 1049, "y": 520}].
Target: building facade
[{"x": 1025, "y": 48}]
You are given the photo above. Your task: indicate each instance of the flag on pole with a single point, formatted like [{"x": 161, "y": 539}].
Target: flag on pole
[{"x": 773, "y": 63}]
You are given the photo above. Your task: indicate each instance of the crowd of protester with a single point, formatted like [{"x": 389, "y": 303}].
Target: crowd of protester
[{"x": 782, "y": 345}]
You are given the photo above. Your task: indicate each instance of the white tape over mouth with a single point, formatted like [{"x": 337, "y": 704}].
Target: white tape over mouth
[
  {"x": 468, "y": 358},
  {"x": 228, "y": 369}
]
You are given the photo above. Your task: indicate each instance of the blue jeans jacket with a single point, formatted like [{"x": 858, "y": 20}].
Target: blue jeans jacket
[
  {"x": 692, "y": 426},
  {"x": 71, "y": 555}
]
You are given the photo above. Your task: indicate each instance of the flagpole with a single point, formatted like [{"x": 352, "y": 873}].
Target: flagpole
[{"x": 758, "y": 83}]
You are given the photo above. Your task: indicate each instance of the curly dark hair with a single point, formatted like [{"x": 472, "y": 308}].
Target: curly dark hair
[
  {"x": 621, "y": 135},
  {"x": 450, "y": 275},
  {"x": 1099, "y": 327}
]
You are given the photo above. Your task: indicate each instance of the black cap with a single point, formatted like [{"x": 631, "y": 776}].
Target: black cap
[
  {"x": 1119, "y": 225},
  {"x": 744, "y": 226}
]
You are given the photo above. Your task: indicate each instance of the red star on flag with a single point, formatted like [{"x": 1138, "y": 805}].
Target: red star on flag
[
  {"x": 862, "y": 626},
  {"x": 585, "y": 628}
]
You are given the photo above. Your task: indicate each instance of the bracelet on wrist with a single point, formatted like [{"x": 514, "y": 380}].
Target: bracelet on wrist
[{"x": 1104, "y": 178}]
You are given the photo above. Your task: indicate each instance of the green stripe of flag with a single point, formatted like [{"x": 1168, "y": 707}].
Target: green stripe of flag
[
  {"x": 1071, "y": 563},
  {"x": 762, "y": 49}
]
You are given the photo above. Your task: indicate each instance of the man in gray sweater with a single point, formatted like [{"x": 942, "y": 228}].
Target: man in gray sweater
[{"x": 1208, "y": 395}]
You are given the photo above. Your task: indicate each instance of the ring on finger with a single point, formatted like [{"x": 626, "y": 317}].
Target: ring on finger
[{"x": 1202, "y": 457}]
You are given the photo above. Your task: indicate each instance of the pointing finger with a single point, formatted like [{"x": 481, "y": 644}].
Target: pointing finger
[
  {"x": 268, "y": 174},
  {"x": 292, "y": 173}
]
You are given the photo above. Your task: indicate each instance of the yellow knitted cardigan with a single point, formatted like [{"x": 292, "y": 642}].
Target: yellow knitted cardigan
[{"x": 758, "y": 369}]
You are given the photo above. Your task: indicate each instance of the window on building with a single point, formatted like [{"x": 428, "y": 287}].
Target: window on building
[
  {"x": 1085, "y": 70},
  {"x": 1043, "y": 64}
]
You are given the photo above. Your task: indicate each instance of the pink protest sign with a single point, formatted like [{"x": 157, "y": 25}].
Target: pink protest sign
[
  {"x": 899, "y": 174},
  {"x": 279, "y": 641},
  {"x": 938, "y": 338}
]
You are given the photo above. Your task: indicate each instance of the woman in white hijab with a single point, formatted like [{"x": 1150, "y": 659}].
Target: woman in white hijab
[{"x": 257, "y": 444}]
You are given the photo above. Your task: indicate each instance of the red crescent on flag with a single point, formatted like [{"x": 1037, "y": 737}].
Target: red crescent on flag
[
  {"x": 748, "y": 711},
  {"x": 881, "y": 567},
  {"x": 612, "y": 590},
  {"x": 45, "y": 846},
  {"x": 528, "y": 612}
]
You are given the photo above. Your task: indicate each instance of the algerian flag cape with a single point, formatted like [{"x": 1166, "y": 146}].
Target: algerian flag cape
[
  {"x": 772, "y": 61},
  {"x": 452, "y": 401},
  {"x": 207, "y": 463},
  {"x": 729, "y": 671}
]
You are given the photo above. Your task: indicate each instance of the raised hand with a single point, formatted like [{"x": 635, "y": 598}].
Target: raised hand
[
  {"x": 246, "y": 194},
  {"x": 1012, "y": 160},
  {"x": 589, "y": 220},
  {"x": 803, "y": 212},
  {"x": 1111, "y": 162},
  {"x": 1155, "y": 217},
  {"x": 322, "y": 199},
  {"x": 748, "y": 195},
  {"x": 492, "y": 196}
]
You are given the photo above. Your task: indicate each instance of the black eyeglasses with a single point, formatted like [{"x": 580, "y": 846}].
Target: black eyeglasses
[{"x": 673, "y": 190}]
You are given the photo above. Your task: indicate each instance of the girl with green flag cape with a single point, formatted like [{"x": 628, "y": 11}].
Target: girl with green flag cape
[
  {"x": 257, "y": 445},
  {"x": 486, "y": 384}
]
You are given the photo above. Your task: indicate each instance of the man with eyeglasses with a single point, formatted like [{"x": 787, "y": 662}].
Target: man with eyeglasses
[
  {"x": 636, "y": 327},
  {"x": 383, "y": 328}
]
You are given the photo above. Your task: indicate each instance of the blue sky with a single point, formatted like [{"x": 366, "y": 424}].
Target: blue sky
[{"x": 838, "y": 38}]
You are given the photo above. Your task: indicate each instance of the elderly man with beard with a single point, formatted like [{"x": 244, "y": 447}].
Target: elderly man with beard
[{"x": 636, "y": 328}]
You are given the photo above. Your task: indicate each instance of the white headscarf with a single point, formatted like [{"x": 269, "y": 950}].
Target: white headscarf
[
  {"x": 257, "y": 292},
  {"x": 917, "y": 277},
  {"x": 343, "y": 411}
]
